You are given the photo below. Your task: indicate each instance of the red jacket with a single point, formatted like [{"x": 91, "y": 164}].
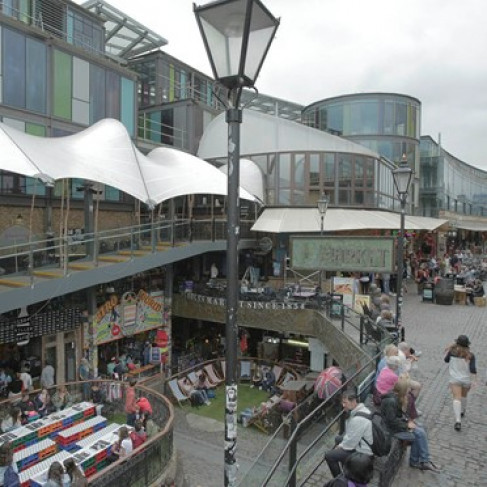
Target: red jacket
[
  {"x": 130, "y": 400},
  {"x": 144, "y": 405},
  {"x": 138, "y": 438}
]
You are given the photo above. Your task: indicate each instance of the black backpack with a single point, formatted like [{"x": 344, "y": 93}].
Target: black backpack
[{"x": 381, "y": 438}]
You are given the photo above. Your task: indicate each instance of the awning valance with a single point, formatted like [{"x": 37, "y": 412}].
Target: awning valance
[{"x": 307, "y": 220}]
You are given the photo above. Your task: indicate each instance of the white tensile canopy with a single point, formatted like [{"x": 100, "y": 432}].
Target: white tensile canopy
[
  {"x": 308, "y": 220},
  {"x": 104, "y": 153}
]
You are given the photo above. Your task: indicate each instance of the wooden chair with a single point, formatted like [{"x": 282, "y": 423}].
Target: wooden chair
[
  {"x": 176, "y": 392},
  {"x": 211, "y": 374}
]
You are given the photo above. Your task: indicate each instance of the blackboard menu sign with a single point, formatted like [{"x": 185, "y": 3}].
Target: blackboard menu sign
[{"x": 39, "y": 324}]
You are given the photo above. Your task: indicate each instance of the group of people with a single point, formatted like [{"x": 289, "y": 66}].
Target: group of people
[
  {"x": 67, "y": 474},
  {"x": 395, "y": 397},
  {"x": 40, "y": 405}
]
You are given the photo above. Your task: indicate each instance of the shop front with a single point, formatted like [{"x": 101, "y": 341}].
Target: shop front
[
  {"x": 31, "y": 339},
  {"x": 133, "y": 327}
]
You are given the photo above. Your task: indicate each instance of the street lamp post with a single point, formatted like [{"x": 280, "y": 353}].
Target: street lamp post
[
  {"x": 237, "y": 35},
  {"x": 402, "y": 179},
  {"x": 322, "y": 204}
]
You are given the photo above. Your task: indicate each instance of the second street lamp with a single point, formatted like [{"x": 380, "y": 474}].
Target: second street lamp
[
  {"x": 402, "y": 179},
  {"x": 322, "y": 204},
  {"x": 237, "y": 35}
]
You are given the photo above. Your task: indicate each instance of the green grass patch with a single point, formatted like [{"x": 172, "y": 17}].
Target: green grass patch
[{"x": 247, "y": 398}]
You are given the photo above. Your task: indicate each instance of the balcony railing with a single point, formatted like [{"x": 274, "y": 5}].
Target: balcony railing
[{"x": 25, "y": 258}]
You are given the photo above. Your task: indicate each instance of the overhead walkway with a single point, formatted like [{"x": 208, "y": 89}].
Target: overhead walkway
[{"x": 43, "y": 269}]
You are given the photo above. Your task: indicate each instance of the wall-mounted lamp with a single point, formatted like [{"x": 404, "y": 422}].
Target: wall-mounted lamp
[{"x": 19, "y": 220}]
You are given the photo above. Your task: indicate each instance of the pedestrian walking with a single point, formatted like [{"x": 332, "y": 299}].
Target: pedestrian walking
[{"x": 461, "y": 367}]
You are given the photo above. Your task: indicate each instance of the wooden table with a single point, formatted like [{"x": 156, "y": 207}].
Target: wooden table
[{"x": 295, "y": 390}]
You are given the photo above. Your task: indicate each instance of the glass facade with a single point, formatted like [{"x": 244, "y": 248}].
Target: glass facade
[
  {"x": 66, "y": 22},
  {"x": 388, "y": 124},
  {"x": 448, "y": 184},
  {"x": 349, "y": 180}
]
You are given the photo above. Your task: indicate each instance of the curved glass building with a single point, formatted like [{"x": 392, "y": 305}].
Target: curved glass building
[{"x": 387, "y": 123}]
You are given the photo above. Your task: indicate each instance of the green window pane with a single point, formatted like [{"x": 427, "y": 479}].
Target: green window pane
[
  {"x": 62, "y": 86},
  {"x": 127, "y": 102},
  {"x": 35, "y": 129}
]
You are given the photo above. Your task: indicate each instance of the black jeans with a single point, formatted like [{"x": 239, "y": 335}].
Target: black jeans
[{"x": 336, "y": 457}]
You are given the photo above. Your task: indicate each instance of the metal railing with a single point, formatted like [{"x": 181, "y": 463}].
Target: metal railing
[
  {"x": 310, "y": 428},
  {"x": 147, "y": 463},
  {"x": 24, "y": 258}
]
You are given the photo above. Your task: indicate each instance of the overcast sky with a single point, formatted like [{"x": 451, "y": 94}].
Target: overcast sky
[{"x": 434, "y": 50}]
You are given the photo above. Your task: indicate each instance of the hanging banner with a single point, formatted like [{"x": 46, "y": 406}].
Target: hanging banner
[{"x": 132, "y": 313}]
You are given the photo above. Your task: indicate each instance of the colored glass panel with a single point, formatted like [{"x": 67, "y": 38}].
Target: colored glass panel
[
  {"x": 62, "y": 85},
  {"x": 112, "y": 95},
  {"x": 97, "y": 93},
  {"x": 14, "y": 68},
  {"x": 36, "y": 72},
  {"x": 127, "y": 109}
]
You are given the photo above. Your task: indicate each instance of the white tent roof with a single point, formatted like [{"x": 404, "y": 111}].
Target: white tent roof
[
  {"x": 307, "y": 220},
  {"x": 105, "y": 153},
  {"x": 251, "y": 177},
  {"x": 264, "y": 134}
]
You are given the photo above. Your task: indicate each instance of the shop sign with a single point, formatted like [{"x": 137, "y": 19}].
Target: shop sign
[
  {"x": 346, "y": 254},
  {"x": 245, "y": 304},
  {"x": 132, "y": 313}
]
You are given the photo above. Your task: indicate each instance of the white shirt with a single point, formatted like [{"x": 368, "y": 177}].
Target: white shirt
[
  {"x": 26, "y": 381},
  {"x": 127, "y": 446},
  {"x": 405, "y": 363}
]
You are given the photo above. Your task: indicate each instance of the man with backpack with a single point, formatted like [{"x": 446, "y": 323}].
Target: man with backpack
[{"x": 358, "y": 433}]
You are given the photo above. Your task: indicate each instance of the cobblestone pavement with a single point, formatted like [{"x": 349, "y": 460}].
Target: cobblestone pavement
[{"x": 461, "y": 455}]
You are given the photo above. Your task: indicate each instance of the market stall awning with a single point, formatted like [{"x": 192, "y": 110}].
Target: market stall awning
[
  {"x": 307, "y": 220},
  {"x": 466, "y": 225}
]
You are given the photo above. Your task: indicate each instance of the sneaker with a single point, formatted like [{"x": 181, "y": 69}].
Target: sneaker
[
  {"x": 208, "y": 403},
  {"x": 414, "y": 465},
  {"x": 429, "y": 466},
  {"x": 463, "y": 414},
  {"x": 251, "y": 386},
  {"x": 458, "y": 426}
]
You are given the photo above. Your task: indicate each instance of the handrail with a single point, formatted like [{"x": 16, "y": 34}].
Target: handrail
[
  {"x": 299, "y": 430},
  {"x": 26, "y": 256}
]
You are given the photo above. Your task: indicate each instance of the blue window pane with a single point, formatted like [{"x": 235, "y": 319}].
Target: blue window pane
[
  {"x": 36, "y": 74},
  {"x": 13, "y": 68}
]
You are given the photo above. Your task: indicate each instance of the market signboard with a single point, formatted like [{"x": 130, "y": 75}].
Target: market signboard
[
  {"x": 132, "y": 313},
  {"x": 346, "y": 254}
]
